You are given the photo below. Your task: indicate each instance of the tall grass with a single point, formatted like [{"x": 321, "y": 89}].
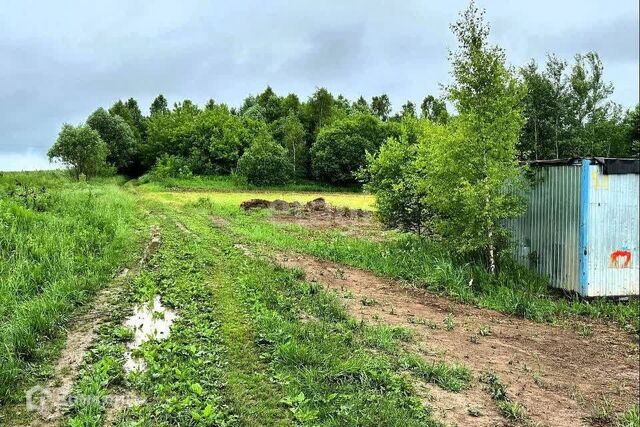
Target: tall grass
[{"x": 59, "y": 243}]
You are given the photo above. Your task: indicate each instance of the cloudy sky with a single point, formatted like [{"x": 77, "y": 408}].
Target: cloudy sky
[{"x": 61, "y": 60}]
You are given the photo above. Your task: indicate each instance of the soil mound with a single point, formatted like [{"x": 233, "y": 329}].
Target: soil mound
[{"x": 316, "y": 207}]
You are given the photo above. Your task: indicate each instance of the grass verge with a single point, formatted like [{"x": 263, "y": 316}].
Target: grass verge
[{"x": 58, "y": 245}]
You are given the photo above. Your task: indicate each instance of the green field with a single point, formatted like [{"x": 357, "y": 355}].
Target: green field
[{"x": 254, "y": 343}]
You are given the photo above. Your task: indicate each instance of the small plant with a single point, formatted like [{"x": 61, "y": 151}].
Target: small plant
[
  {"x": 513, "y": 411},
  {"x": 123, "y": 334},
  {"x": 585, "y": 330},
  {"x": 484, "y": 331},
  {"x": 474, "y": 412},
  {"x": 496, "y": 390},
  {"x": 474, "y": 339},
  {"x": 367, "y": 302},
  {"x": 630, "y": 418},
  {"x": 348, "y": 295},
  {"x": 602, "y": 413},
  {"x": 449, "y": 324}
]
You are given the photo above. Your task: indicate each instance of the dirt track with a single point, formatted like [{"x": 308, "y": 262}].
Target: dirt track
[{"x": 554, "y": 371}]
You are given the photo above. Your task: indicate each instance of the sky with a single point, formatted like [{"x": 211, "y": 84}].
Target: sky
[{"x": 61, "y": 60}]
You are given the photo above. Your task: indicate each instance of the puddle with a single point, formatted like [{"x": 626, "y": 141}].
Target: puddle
[{"x": 148, "y": 321}]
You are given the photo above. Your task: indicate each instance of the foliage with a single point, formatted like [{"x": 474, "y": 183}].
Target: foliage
[
  {"x": 211, "y": 140},
  {"x": 118, "y": 136},
  {"x": 568, "y": 113},
  {"x": 381, "y": 106},
  {"x": 159, "y": 105},
  {"x": 289, "y": 132},
  {"x": 58, "y": 246},
  {"x": 340, "y": 149},
  {"x": 265, "y": 163},
  {"x": 434, "y": 109},
  {"x": 473, "y": 178},
  {"x": 394, "y": 179},
  {"x": 171, "y": 167},
  {"x": 82, "y": 149}
]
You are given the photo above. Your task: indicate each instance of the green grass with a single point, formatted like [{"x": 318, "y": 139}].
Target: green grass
[
  {"x": 59, "y": 243},
  {"x": 630, "y": 418},
  {"x": 514, "y": 290},
  {"x": 233, "y": 183},
  {"x": 254, "y": 344}
]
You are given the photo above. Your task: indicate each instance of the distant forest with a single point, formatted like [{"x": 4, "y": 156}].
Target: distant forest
[{"x": 566, "y": 108}]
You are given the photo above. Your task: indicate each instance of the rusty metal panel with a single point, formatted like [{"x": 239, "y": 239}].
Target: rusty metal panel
[
  {"x": 612, "y": 257},
  {"x": 546, "y": 237}
]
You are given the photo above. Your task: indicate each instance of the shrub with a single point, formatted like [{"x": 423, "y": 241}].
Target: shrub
[
  {"x": 340, "y": 149},
  {"x": 265, "y": 163},
  {"x": 393, "y": 178},
  {"x": 171, "y": 167}
]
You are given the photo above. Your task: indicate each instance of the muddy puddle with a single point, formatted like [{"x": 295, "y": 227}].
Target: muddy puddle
[{"x": 148, "y": 322}]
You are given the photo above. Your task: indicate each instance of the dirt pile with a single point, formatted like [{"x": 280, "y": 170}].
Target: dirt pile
[{"x": 315, "y": 207}]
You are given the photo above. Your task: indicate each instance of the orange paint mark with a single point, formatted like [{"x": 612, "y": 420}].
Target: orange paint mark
[{"x": 615, "y": 259}]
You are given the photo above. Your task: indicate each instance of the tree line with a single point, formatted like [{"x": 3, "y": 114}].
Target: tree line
[{"x": 272, "y": 139}]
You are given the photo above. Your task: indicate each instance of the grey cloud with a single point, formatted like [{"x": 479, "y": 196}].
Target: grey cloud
[{"x": 59, "y": 61}]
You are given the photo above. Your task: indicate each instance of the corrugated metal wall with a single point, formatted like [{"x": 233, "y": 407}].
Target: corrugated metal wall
[
  {"x": 612, "y": 260},
  {"x": 547, "y": 236}
]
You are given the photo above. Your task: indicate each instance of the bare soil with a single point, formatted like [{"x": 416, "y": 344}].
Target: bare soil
[{"x": 556, "y": 373}]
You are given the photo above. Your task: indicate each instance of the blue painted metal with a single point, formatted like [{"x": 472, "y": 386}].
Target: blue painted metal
[
  {"x": 584, "y": 226},
  {"x": 581, "y": 228}
]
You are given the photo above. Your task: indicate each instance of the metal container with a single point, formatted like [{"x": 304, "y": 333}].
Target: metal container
[{"x": 581, "y": 226}]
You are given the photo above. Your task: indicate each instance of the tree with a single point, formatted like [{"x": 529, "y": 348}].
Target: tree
[
  {"x": 159, "y": 105},
  {"x": 381, "y": 106},
  {"x": 318, "y": 111},
  {"x": 265, "y": 163},
  {"x": 271, "y": 105},
  {"x": 473, "y": 175},
  {"x": 340, "y": 149},
  {"x": 118, "y": 136},
  {"x": 361, "y": 106},
  {"x": 434, "y": 109},
  {"x": 82, "y": 149},
  {"x": 289, "y": 132},
  {"x": 408, "y": 110},
  {"x": 394, "y": 178}
]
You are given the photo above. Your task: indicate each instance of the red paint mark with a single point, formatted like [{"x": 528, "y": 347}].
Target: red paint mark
[{"x": 616, "y": 255}]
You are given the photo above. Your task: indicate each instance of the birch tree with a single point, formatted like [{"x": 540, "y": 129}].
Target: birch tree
[{"x": 473, "y": 170}]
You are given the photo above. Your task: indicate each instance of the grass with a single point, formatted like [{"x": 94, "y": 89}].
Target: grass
[
  {"x": 238, "y": 184},
  {"x": 253, "y": 344},
  {"x": 508, "y": 408},
  {"x": 60, "y": 242},
  {"x": 427, "y": 263}
]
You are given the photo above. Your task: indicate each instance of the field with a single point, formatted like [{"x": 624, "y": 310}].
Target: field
[{"x": 281, "y": 318}]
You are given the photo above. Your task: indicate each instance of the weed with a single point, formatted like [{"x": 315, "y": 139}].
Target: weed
[
  {"x": 474, "y": 412},
  {"x": 602, "y": 413},
  {"x": 630, "y": 418},
  {"x": 513, "y": 411},
  {"x": 367, "y": 302},
  {"x": 449, "y": 323},
  {"x": 484, "y": 331}
]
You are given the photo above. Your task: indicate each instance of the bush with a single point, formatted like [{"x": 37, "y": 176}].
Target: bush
[
  {"x": 171, "y": 167},
  {"x": 340, "y": 149},
  {"x": 265, "y": 163},
  {"x": 393, "y": 178}
]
